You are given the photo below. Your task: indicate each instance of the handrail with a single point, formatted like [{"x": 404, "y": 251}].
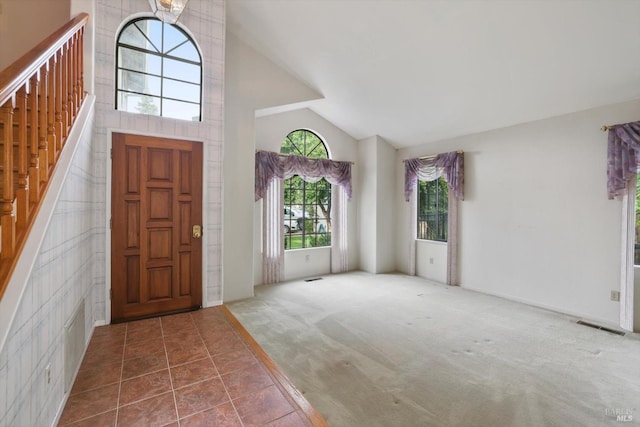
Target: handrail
[
  {"x": 12, "y": 77},
  {"x": 40, "y": 96}
]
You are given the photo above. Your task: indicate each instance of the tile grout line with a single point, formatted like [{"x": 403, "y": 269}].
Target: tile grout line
[
  {"x": 201, "y": 326},
  {"x": 235, "y": 410},
  {"x": 173, "y": 391},
  {"x": 124, "y": 346}
]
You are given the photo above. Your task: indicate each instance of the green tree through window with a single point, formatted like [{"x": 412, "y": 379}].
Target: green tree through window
[
  {"x": 433, "y": 205},
  {"x": 307, "y": 206}
]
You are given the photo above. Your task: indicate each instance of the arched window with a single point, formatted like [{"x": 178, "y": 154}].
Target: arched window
[
  {"x": 307, "y": 206},
  {"x": 158, "y": 71}
]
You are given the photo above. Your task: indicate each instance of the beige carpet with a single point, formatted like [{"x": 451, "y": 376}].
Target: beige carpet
[{"x": 393, "y": 350}]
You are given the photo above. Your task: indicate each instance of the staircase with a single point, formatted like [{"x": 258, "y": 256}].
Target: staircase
[{"x": 40, "y": 96}]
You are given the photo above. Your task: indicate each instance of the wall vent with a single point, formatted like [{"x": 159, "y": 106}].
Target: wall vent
[
  {"x": 74, "y": 334},
  {"x": 602, "y": 328}
]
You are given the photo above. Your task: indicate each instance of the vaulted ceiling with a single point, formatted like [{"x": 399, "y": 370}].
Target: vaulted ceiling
[{"x": 418, "y": 71}]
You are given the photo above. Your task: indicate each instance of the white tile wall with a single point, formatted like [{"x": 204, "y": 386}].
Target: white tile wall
[
  {"x": 71, "y": 263},
  {"x": 62, "y": 275},
  {"x": 204, "y": 20}
]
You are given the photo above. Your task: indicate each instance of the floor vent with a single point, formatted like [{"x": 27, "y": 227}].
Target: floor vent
[
  {"x": 313, "y": 280},
  {"x": 602, "y": 328},
  {"x": 74, "y": 335}
]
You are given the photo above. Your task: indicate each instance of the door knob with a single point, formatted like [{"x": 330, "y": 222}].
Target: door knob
[{"x": 196, "y": 231}]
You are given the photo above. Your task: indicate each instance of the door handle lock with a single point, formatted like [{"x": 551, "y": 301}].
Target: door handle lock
[{"x": 196, "y": 231}]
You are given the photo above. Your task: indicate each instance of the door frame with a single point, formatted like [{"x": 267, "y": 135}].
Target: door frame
[{"x": 108, "y": 192}]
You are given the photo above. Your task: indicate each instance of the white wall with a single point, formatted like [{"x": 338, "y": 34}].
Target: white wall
[
  {"x": 536, "y": 225},
  {"x": 385, "y": 209},
  {"x": 16, "y": 36},
  {"x": 204, "y": 20},
  {"x": 636, "y": 299},
  {"x": 431, "y": 260},
  {"x": 367, "y": 203},
  {"x": 270, "y": 132},
  {"x": 62, "y": 273},
  {"x": 376, "y": 216},
  {"x": 252, "y": 82}
]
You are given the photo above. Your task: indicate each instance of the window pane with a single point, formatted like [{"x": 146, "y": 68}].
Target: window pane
[
  {"x": 152, "y": 28},
  {"x": 181, "y": 71},
  {"x": 153, "y": 76},
  {"x": 310, "y": 202},
  {"x": 137, "y": 82},
  {"x": 433, "y": 210},
  {"x": 182, "y": 91},
  {"x": 317, "y": 151},
  {"x": 138, "y": 61},
  {"x": 172, "y": 38},
  {"x": 135, "y": 103},
  {"x": 132, "y": 35},
  {"x": 180, "y": 110},
  {"x": 186, "y": 51}
]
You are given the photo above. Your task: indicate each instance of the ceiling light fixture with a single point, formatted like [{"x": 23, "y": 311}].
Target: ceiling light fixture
[{"x": 168, "y": 11}]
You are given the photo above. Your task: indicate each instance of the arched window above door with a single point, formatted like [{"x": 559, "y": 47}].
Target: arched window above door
[{"x": 158, "y": 71}]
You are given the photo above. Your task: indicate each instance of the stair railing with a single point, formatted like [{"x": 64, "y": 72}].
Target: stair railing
[{"x": 40, "y": 96}]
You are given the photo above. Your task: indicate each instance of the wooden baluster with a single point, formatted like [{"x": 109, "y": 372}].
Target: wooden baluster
[
  {"x": 22, "y": 189},
  {"x": 34, "y": 165},
  {"x": 67, "y": 90},
  {"x": 73, "y": 87},
  {"x": 81, "y": 66},
  {"x": 43, "y": 123},
  {"x": 37, "y": 112},
  {"x": 63, "y": 81},
  {"x": 76, "y": 73},
  {"x": 51, "y": 110},
  {"x": 60, "y": 104},
  {"x": 7, "y": 216}
]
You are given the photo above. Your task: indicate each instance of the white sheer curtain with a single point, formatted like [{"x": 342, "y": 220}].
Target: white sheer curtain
[
  {"x": 339, "y": 252},
  {"x": 271, "y": 169},
  {"x": 452, "y": 240},
  {"x": 272, "y": 229},
  {"x": 413, "y": 231}
]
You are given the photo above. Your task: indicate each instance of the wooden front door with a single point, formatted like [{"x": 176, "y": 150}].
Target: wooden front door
[{"x": 156, "y": 255}]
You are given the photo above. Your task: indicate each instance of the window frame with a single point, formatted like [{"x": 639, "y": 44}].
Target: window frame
[
  {"x": 159, "y": 53},
  {"x": 292, "y": 185},
  {"x": 441, "y": 212}
]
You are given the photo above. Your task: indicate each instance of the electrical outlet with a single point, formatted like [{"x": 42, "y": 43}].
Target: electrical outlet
[
  {"x": 47, "y": 374},
  {"x": 615, "y": 296},
  {"x": 430, "y": 260}
]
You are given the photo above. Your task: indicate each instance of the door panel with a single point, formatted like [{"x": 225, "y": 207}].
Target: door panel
[{"x": 156, "y": 200}]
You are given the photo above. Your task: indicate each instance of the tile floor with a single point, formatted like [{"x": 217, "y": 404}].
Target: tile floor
[{"x": 189, "y": 369}]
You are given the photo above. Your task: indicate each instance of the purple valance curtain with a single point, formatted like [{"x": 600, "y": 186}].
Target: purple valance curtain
[
  {"x": 270, "y": 165},
  {"x": 623, "y": 156},
  {"x": 451, "y": 165}
]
